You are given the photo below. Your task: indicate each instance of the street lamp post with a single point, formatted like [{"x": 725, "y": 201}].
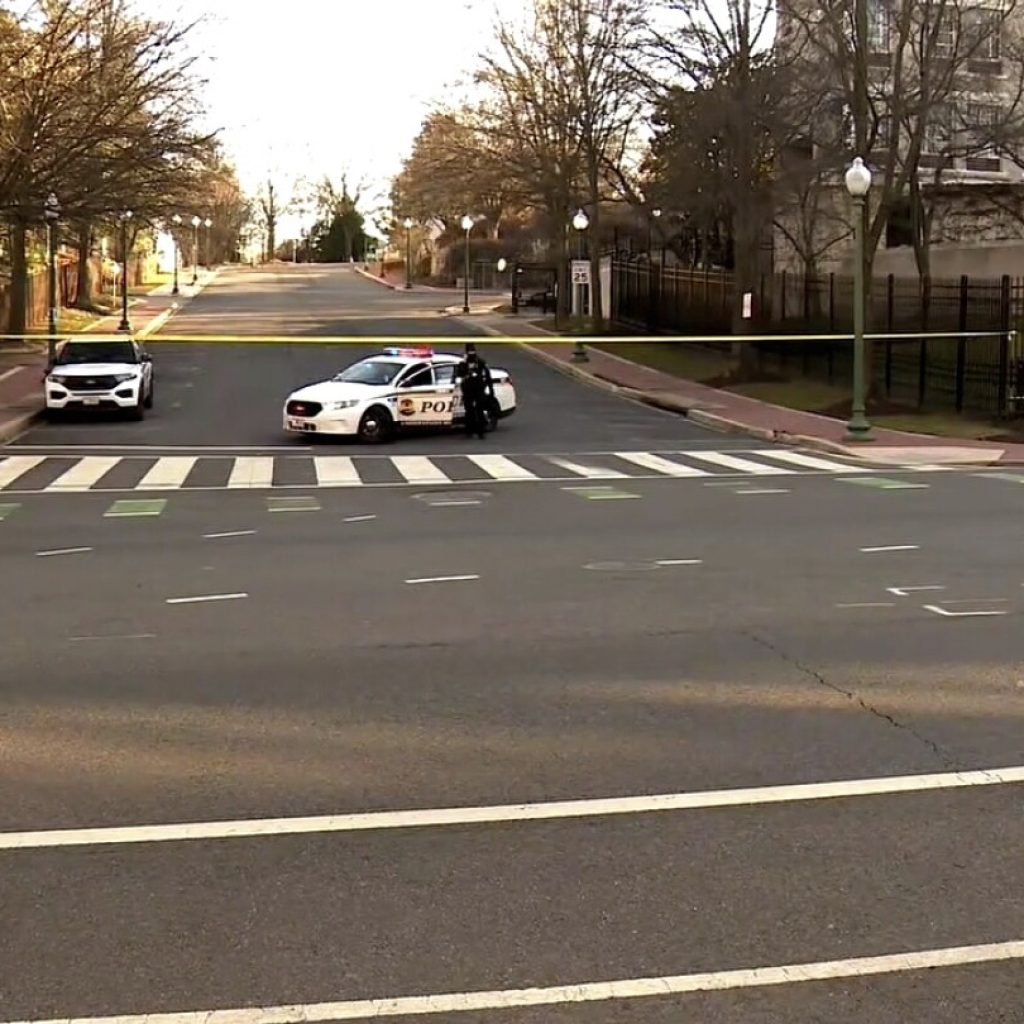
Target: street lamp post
[
  {"x": 177, "y": 255},
  {"x": 125, "y": 324},
  {"x": 407, "y": 224},
  {"x": 51, "y": 212},
  {"x": 208, "y": 223},
  {"x": 467, "y": 226},
  {"x": 656, "y": 215},
  {"x": 858, "y": 183},
  {"x": 580, "y": 222},
  {"x": 195, "y": 250}
]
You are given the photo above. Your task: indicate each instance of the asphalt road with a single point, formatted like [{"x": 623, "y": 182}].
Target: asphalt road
[{"x": 422, "y": 648}]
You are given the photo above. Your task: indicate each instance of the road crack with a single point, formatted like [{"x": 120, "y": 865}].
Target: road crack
[{"x": 946, "y": 760}]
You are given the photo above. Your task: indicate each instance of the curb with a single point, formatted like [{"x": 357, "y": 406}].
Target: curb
[
  {"x": 11, "y": 429},
  {"x": 374, "y": 278}
]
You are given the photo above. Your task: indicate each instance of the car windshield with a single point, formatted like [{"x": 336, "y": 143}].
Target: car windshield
[
  {"x": 370, "y": 371},
  {"x": 75, "y": 353}
]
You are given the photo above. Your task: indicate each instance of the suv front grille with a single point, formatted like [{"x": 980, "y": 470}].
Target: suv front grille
[
  {"x": 304, "y": 408},
  {"x": 92, "y": 383}
]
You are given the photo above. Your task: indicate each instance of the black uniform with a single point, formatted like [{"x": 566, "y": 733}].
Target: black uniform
[{"x": 474, "y": 378}]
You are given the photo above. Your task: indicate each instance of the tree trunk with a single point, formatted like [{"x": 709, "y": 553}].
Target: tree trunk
[
  {"x": 594, "y": 237},
  {"x": 17, "y": 319},
  {"x": 84, "y": 298}
]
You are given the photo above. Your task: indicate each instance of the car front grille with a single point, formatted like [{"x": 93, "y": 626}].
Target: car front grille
[
  {"x": 303, "y": 408},
  {"x": 92, "y": 383}
]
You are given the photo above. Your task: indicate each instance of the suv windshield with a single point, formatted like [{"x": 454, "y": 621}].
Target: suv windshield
[
  {"x": 371, "y": 371},
  {"x": 77, "y": 352}
]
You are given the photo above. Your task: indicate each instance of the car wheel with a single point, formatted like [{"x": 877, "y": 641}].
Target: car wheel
[
  {"x": 138, "y": 412},
  {"x": 149, "y": 396},
  {"x": 376, "y": 426}
]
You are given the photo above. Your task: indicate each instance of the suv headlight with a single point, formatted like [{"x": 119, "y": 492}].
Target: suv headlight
[
  {"x": 122, "y": 377},
  {"x": 56, "y": 378},
  {"x": 338, "y": 406}
]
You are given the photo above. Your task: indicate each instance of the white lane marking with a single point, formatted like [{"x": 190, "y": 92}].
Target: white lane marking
[
  {"x": 762, "y": 490},
  {"x": 579, "y": 992},
  {"x": 206, "y": 597},
  {"x": 807, "y": 461},
  {"x": 418, "y": 469},
  {"x": 588, "y": 471},
  {"x": 358, "y": 519},
  {"x": 85, "y": 473},
  {"x": 62, "y": 551},
  {"x": 167, "y": 473},
  {"x": 488, "y": 815},
  {"x": 655, "y": 462},
  {"x": 336, "y": 471},
  {"x": 228, "y": 533},
  {"x": 741, "y": 465},
  {"x": 453, "y": 504},
  {"x": 891, "y": 547},
  {"x": 7, "y": 374},
  {"x": 252, "y": 471},
  {"x": 868, "y": 604},
  {"x": 907, "y": 591},
  {"x": 939, "y": 610},
  {"x": 679, "y": 561},
  {"x": 443, "y": 579},
  {"x": 17, "y": 465},
  {"x": 501, "y": 468},
  {"x": 114, "y": 636}
]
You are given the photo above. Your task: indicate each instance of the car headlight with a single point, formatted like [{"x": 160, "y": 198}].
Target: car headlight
[
  {"x": 57, "y": 379},
  {"x": 122, "y": 377},
  {"x": 338, "y": 406}
]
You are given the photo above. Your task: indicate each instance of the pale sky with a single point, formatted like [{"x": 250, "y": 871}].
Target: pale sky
[{"x": 328, "y": 86}]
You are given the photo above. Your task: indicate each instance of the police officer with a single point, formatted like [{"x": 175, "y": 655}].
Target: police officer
[{"x": 474, "y": 378}]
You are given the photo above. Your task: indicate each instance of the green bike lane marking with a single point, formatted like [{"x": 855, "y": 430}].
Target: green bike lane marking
[
  {"x": 6, "y": 511},
  {"x": 127, "y": 508},
  {"x": 882, "y": 483},
  {"x": 1014, "y": 478},
  {"x": 297, "y": 504},
  {"x": 600, "y": 493}
]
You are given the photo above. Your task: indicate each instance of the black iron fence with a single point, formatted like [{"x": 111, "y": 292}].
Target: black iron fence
[{"x": 953, "y": 343}]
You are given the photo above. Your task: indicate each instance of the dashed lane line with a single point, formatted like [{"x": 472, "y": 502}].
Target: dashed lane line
[
  {"x": 115, "y": 835},
  {"x": 579, "y": 992}
]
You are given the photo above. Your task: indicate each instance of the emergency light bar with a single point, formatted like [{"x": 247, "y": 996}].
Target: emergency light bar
[{"x": 410, "y": 353}]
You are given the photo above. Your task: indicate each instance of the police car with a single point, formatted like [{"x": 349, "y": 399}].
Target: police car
[
  {"x": 95, "y": 373},
  {"x": 399, "y": 389}
]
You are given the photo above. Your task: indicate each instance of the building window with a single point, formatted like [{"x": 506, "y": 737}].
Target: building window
[
  {"x": 938, "y": 130},
  {"x": 983, "y": 29},
  {"x": 945, "y": 35},
  {"x": 879, "y": 26},
  {"x": 983, "y": 119}
]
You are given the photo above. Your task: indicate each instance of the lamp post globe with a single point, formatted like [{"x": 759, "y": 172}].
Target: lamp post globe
[
  {"x": 581, "y": 221},
  {"x": 858, "y": 183}
]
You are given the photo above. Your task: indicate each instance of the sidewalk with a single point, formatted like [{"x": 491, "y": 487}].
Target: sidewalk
[
  {"x": 724, "y": 411},
  {"x": 22, "y": 364},
  {"x": 481, "y": 301}
]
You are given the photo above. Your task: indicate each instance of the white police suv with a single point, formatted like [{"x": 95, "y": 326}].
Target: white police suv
[
  {"x": 98, "y": 373},
  {"x": 402, "y": 388}
]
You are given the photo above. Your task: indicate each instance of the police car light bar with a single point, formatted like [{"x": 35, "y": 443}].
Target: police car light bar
[{"x": 410, "y": 353}]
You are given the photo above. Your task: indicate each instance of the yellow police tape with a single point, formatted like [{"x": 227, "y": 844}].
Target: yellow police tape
[{"x": 440, "y": 341}]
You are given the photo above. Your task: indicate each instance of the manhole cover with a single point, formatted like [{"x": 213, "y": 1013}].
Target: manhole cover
[
  {"x": 621, "y": 566},
  {"x": 452, "y": 497}
]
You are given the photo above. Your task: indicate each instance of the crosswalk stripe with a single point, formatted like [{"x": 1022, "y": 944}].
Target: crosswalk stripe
[
  {"x": 252, "y": 471},
  {"x": 591, "y": 472},
  {"x": 418, "y": 469},
  {"x": 655, "y": 462},
  {"x": 807, "y": 461},
  {"x": 335, "y": 471},
  {"x": 17, "y": 465},
  {"x": 86, "y": 472},
  {"x": 167, "y": 474},
  {"x": 741, "y": 465},
  {"x": 501, "y": 468}
]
